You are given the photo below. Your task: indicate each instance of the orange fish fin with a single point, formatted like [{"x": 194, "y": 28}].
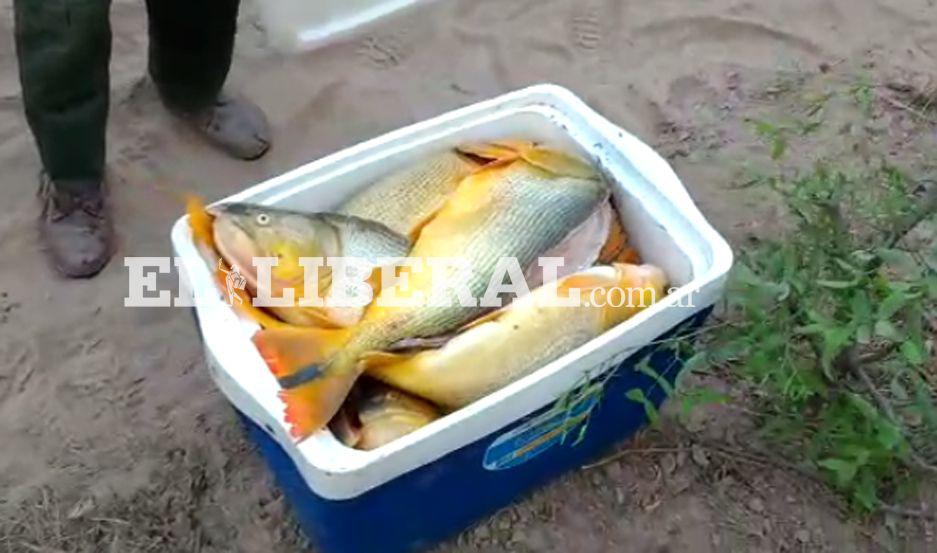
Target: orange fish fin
[
  {"x": 494, "y": 152},
  {"x": 514, "y": 145},
  {"x": 629, "y": 256},
  {"x": 200, "y": 222},
  {"x": 259, "y": 316},
  {"x": 616, "y": 244},
  {"x": 310, "y": 406},
  {"x": 314, "y": 317},
  {"x": 290, "y": 349},
  {"x": 559, "y": 163}
]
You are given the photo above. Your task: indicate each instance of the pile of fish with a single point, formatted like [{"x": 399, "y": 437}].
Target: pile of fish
[{"x": 378, "y": 372}]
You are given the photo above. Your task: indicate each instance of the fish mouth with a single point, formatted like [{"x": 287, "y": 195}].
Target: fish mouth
[{"x": 235, "y": 244}]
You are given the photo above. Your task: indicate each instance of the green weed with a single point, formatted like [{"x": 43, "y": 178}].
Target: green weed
[
  {"x": 863, "y": 93},
  {"x": 828, "y": 327},
  {"x": 778, "y": 135},
  {"x": 832, "y": 325}
]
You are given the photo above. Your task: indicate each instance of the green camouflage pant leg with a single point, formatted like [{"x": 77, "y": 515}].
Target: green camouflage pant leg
[
  {"x": 191, "y": 44},
  {"x": 64, "y": 48}
]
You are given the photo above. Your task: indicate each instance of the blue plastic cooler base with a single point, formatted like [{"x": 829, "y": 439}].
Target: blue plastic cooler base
[{"x": 432, "y": 503}]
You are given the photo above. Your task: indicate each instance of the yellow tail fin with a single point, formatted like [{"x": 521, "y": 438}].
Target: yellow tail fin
[
  {"x": 496, "y": 152},
  {"x": 295, "y": 355},
  {"x": 310, "y": 406},
  {"x": 289, "y": 349},
  {"x": 548, "y": 159}
]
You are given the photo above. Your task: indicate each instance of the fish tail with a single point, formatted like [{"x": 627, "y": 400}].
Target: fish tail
[
  {"x": 495, "y": 152},
  {"x": 558, "y": 163},
  {"x": 318, "y": 397},
  {"x": 290, "y": 350},
  {"x": 310, "y": 406},
  {"x": 547, "y": 159}
]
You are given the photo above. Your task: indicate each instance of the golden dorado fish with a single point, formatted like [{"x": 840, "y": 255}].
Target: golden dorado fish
[
  {"x": 516, "y": 209},
  {"x": 243, "y": 232},
  {"x": 407, "y": 199},
  {"x": 523, "y": 337},
  {"x": 380, "y": 415}
]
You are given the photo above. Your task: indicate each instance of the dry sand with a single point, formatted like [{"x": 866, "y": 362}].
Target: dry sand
[{"x": 113, "y": 437}]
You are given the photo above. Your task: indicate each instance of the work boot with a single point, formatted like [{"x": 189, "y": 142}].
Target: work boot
[
  {"x": 76, "y": 227},
  {"x": 234, "y": 125}
]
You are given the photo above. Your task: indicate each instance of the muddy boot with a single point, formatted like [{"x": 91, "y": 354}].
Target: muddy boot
[
  {"x": 76, "y": 227},
  {"x": 234, "y": 125}
]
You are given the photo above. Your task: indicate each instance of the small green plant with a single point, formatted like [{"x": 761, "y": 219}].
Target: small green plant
[
  {"x": 828, "y": 329},
  {"x": 777, "y": 135},
  {"x": 863, "y": 93},
  {"x": 685, "y": 361},
  {"x": 774, "y": 135}
]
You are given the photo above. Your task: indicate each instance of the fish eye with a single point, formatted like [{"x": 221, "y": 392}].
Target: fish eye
[{"x": 263, "y": 219}]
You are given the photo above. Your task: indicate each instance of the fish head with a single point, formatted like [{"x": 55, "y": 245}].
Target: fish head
[
  {"x": 244, "y": 232},
  {"x": 389, "y": 415},
  {"x": 639, "y": 287}
]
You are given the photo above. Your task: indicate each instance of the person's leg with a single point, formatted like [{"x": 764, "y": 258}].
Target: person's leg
[
  {"x": 63, "y": 47},
  {"x": 191, "y": 46}
]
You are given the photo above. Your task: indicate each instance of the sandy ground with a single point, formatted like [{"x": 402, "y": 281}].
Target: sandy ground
[{"x": 114, "y": 438}]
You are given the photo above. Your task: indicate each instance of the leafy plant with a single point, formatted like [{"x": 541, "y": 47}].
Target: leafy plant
[
  {"x": 686, "y": 361},
  {"x": 777, "y": 135},
  {"x": 863, "y": 93},
  {"x": 774, "y": 135},
  {"x": 828, "y": 328}
]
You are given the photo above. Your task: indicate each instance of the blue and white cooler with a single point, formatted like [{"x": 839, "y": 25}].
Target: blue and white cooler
[{"x": 437, "y": 481}]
